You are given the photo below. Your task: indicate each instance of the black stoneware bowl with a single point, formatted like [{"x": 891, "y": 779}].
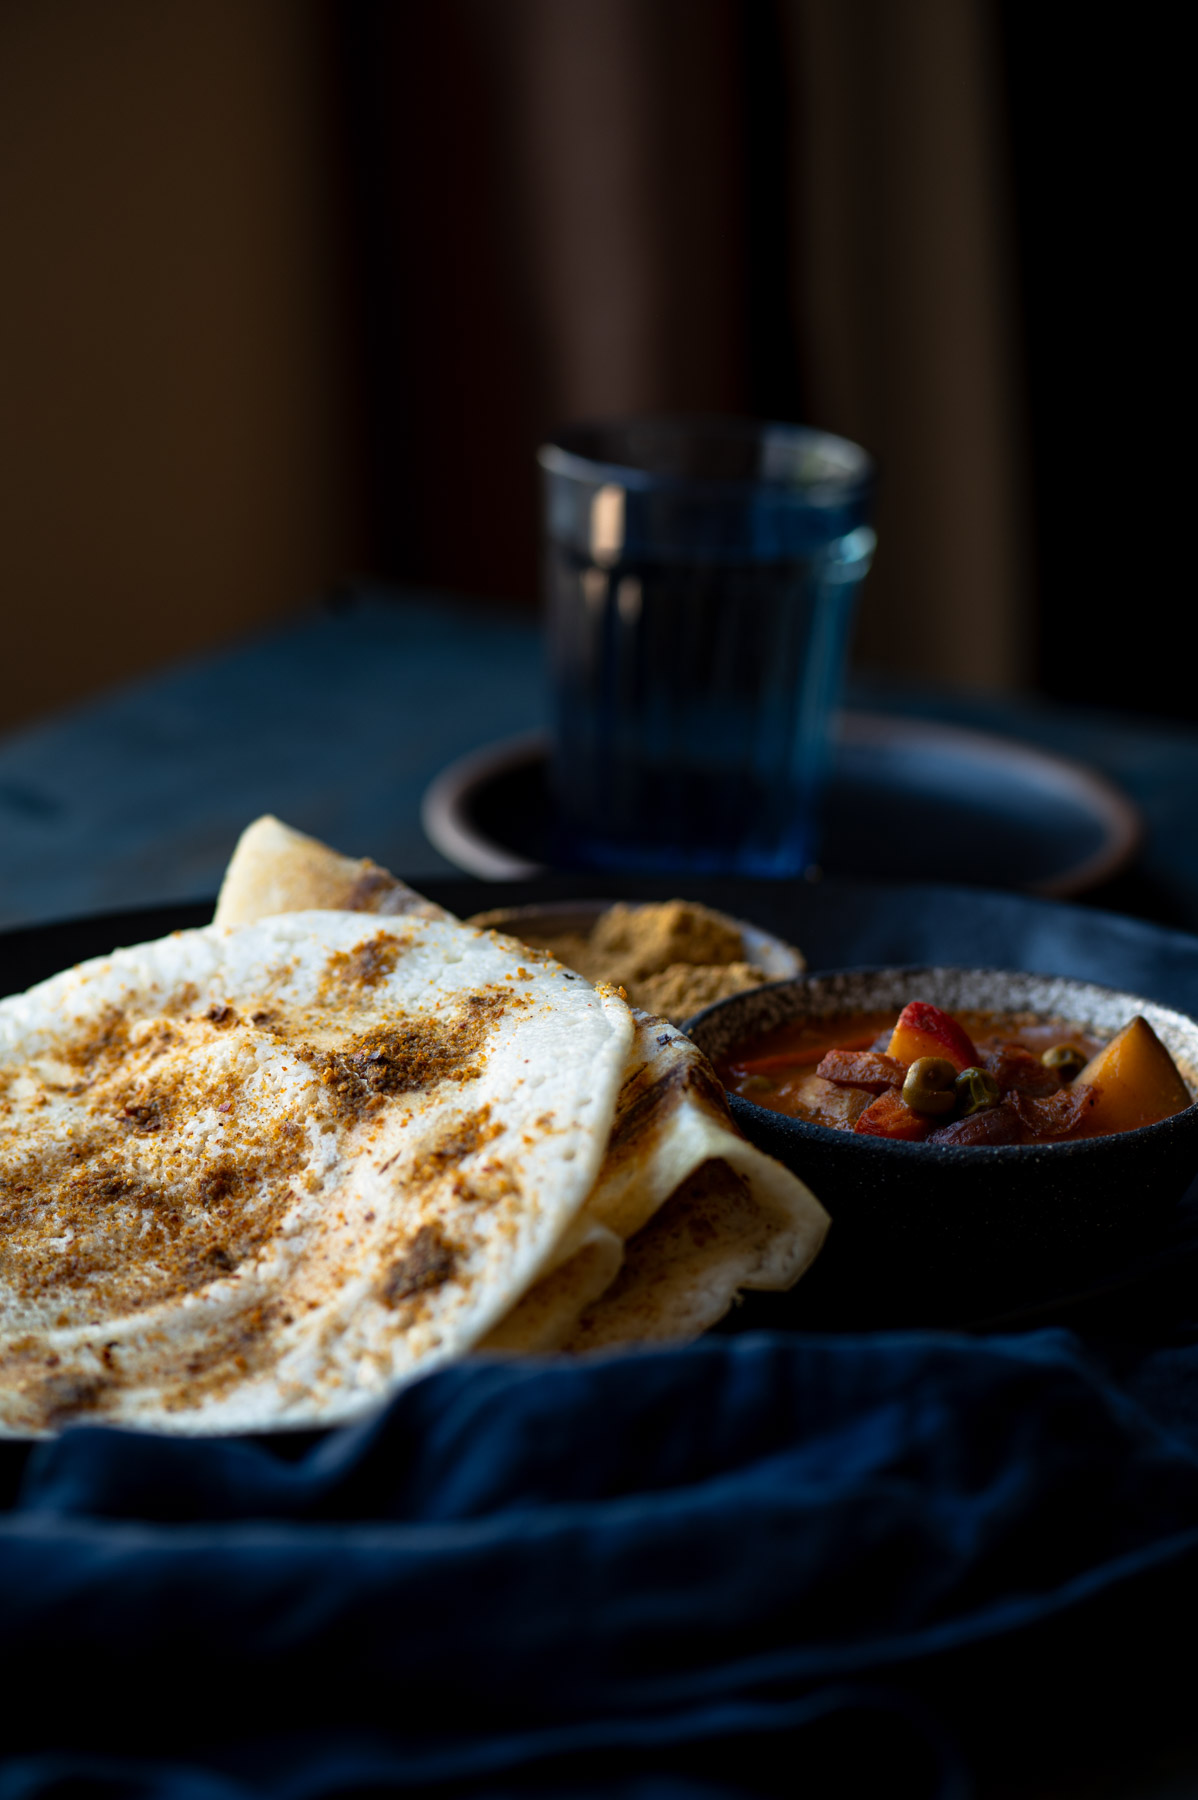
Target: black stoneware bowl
[{"x": 970, "y": 1210}]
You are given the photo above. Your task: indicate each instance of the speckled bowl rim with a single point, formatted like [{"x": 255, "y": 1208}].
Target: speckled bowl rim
[{"x": 846, "y": 990}]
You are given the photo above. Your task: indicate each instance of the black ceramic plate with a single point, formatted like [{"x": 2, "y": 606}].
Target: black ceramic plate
[
  {"x": 837, "y": 924},
  {"x": 908, "y": 799}
]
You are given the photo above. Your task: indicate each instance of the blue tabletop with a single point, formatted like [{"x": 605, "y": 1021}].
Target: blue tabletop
[{"x": 338, "y": 720}]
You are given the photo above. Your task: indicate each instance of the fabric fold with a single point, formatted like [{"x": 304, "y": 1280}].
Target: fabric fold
[{"x": 524, "y": 1549}]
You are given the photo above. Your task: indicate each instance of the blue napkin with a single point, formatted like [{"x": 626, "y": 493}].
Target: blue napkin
[{"x": 763, "y": 1564}]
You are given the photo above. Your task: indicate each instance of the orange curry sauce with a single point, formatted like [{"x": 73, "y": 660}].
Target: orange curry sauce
[{"x": 850, "y": 1073}]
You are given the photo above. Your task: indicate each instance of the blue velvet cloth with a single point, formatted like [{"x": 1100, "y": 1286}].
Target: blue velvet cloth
[{"x": 763, "y": 1564}]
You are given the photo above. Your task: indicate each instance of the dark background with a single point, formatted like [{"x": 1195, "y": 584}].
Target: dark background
[
  {"x": 295, "y": 287},
  {"x": 1095, "y": 108}
]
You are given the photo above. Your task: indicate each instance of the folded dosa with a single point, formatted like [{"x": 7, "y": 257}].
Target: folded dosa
[
  {"x": 256, "y": 1177},
  {"x": 277, "y": 870},
  {"x": 684, "y": 1213}
]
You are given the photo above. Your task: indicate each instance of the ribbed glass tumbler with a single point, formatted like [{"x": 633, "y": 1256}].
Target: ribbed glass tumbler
[{"x": 700, "y": 577}]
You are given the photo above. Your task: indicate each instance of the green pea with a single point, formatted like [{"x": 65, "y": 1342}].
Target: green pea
[
  {"x": 1066, "y": 1059},
  {"x": 976, "y": 1090},
  {"x": 928, "y": 1087},
  {"x": 757, "y": 1084}
]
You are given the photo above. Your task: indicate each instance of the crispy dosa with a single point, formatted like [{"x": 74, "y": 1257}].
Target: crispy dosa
[
  {"x": 257, "y": 1177},
  {"x": 673, "y": 1150},
  {"x": 703, "y": 1213},
  {"x": 276, "y": 869}
]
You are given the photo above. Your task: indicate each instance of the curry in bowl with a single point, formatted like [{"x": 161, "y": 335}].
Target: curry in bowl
[
  {"x": 972, "y": 1078},
  {"x": 945, "y": 1195}
]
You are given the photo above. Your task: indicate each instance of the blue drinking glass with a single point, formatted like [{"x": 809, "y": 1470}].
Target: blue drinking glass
[{"x": 700, "y": 579}]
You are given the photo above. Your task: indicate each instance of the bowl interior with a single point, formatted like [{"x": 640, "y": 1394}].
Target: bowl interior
[{"x": 720, "y": 1028}]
